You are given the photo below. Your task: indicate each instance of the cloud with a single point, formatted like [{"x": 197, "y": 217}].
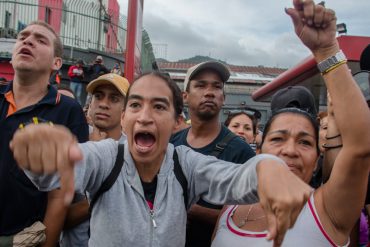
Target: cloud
[
  {"x": 243, "y": 32},
  {"x": 182, "y": 39},
  {"x": 250, "y": 48}
]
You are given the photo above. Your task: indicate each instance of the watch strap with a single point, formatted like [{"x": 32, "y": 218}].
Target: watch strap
[{"x": 332, "y": 62}]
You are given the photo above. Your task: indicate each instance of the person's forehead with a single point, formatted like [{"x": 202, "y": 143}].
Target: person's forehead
[
  {"x": 38, "y": 29},
  {"x": 324, "y": 119},
  {"x": 298, "y": 123},
  {"x": 241, "y": 118},
  {"x": 107, "y": 88},
  {"x": 207, "y": 74},
  {"x": 150, "y": 86}
]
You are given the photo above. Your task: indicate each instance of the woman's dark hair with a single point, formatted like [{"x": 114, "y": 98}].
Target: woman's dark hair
[
  {"x": 297, "y": 111},
  {"x": 234, "y": 113},
  {"x": 176, "y": 92}
]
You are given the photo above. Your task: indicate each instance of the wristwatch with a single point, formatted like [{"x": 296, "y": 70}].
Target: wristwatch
[{"x": 332, "y": 61}]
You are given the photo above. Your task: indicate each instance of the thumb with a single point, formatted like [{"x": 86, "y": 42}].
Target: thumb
[
  {"x": 67, "y": 183},
  {"x": 271, "y": 224},
  {"x": 282, "y": 226},
  {"x": 75, "y": 153},
  {"x": 67, "y": 173}
]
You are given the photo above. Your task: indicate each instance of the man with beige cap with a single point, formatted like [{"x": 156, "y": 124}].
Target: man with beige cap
[{"x": 106, "y": 108}]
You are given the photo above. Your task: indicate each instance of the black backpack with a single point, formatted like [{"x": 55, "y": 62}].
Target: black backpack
[{"x": 112, "y": 177}]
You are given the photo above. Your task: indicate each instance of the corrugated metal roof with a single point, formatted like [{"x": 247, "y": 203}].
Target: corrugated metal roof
[
  {"x": 233, "y": 68},
  {"x": 239, "y": 74}
]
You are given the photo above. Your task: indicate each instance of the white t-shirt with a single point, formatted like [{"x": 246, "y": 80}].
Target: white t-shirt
[{"x": 307, "y": 231}]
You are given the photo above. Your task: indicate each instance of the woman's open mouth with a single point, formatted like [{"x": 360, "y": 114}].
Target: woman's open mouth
[{"x": 144, "y": 141}]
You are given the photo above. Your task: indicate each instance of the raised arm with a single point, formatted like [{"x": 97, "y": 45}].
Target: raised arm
[
  {"x": 333, "y": 142},
  {"x": 342, "y": 197}
]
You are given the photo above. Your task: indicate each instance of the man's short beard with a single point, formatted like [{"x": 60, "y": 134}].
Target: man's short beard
[
  {"x": 206, "y": 116},
  {"x": 105, "y": 128}
]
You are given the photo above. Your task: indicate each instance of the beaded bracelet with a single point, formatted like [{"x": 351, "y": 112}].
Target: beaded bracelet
[
  {"x": 331, "y": 147},
  {"x": 332, "y": 137}
]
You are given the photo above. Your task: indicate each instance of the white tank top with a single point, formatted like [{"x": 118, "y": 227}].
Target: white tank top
[{"x": 307, "y": 231}]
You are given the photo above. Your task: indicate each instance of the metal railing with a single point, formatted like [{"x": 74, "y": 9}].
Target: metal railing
[{"x": 84, "y": 24}]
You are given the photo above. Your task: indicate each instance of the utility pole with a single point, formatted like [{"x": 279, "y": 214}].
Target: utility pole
[
  {"x": 134, "y": 39},
  {"x": 99, "y": 26}
]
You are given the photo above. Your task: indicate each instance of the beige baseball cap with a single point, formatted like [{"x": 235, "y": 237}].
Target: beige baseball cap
[
  {"x": 218, "y": 67},
  {"x": 121, "y": 83}
]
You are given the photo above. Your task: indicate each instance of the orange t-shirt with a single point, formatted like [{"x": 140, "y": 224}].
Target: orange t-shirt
[{"x": 12, "y": 107}]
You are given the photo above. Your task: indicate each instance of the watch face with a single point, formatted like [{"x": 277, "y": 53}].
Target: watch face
[{"x": 363, "y": 81}]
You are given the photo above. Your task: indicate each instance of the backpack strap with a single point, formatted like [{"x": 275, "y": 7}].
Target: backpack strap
[
  {"x": 112, "y": 177},
  {"x": 179, "y": 174},
  {"x": 219, "y": 148}
]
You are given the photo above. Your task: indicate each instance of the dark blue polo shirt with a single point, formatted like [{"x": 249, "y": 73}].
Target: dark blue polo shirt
[{"x": 21, "y": 204}]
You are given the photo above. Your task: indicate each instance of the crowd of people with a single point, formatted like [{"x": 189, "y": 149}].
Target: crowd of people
[
  {"x": 129, "y": 170},
  {"x": 80, "y": 76}
]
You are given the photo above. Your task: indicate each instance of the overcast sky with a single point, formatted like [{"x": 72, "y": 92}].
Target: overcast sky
[{"x": 241, "y": 32}]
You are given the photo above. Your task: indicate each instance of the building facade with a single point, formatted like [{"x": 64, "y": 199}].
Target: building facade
[
  {"x": 87, "y": 28},
  {"x": 86, "y": 24}
]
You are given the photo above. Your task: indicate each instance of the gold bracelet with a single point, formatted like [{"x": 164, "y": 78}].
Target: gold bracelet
[{"x": 334, "y": 67}]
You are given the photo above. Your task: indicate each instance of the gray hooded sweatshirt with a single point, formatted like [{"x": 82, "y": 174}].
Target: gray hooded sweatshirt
[{"x": 121, "y": 216}]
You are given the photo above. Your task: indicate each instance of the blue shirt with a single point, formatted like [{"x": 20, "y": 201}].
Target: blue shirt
[
  {"x": 237, "y": 150},
  {"x": 21, "y": 204}
]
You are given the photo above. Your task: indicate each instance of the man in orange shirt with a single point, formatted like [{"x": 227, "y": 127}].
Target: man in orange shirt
[{"x": 30, "y": 99}]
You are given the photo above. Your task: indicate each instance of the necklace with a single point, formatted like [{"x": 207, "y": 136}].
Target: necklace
[{"x": 245, "y": 220}]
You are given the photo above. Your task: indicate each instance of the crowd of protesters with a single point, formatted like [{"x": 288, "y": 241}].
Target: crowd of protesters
[{"x": 130, "y": 170}]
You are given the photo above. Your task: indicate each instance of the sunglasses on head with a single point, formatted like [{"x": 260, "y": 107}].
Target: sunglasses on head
[{"x": 253, "y": 113}]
